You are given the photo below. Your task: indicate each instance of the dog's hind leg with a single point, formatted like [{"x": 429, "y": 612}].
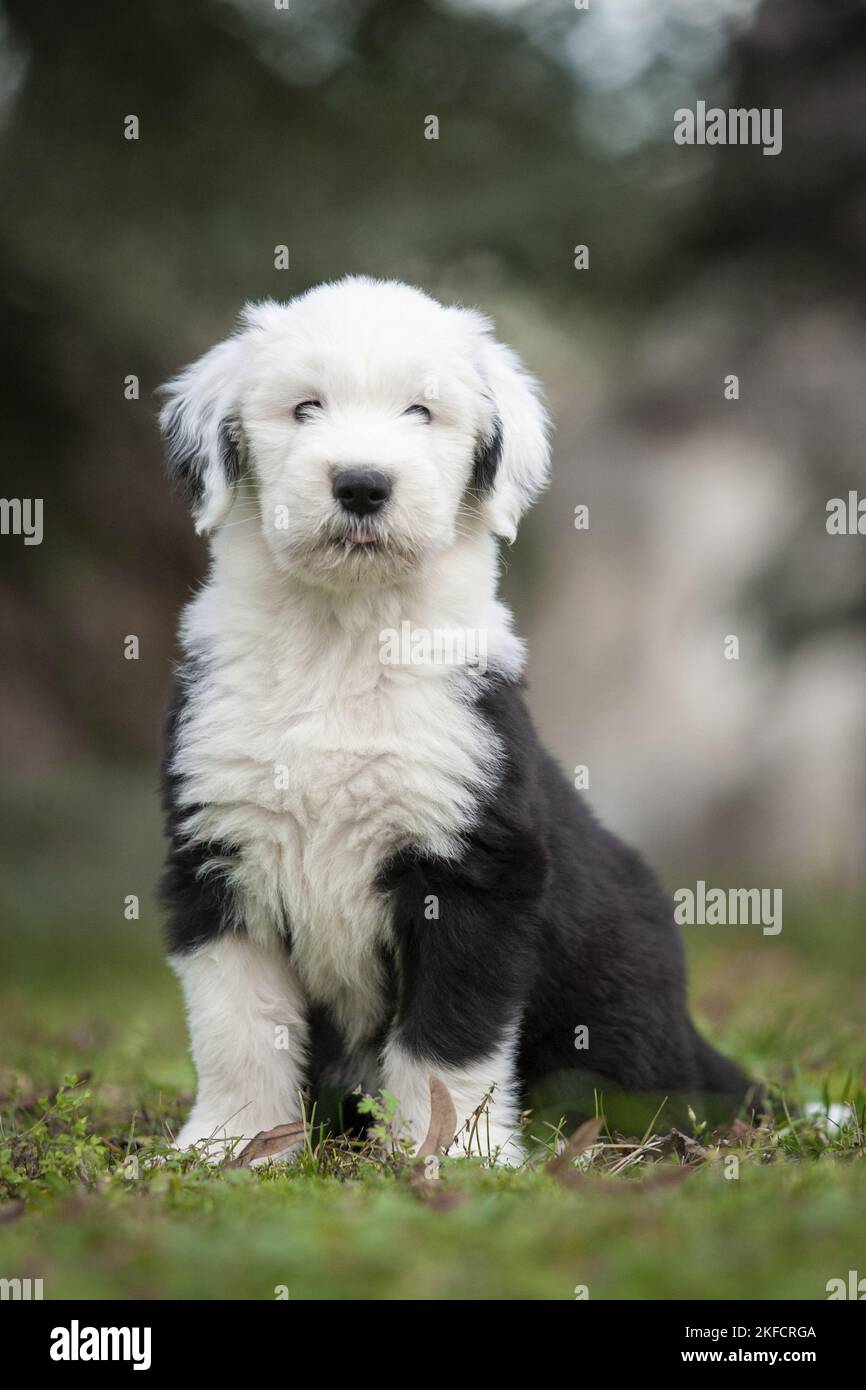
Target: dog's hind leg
[
  {"x": 248, "y": 1034},
  {"x": 725, "y": 1087}
]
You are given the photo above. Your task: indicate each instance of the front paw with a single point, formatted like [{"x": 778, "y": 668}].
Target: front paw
[
  {"x": 214, "y": 1140},
  {"x": 216, "y": 1144}
]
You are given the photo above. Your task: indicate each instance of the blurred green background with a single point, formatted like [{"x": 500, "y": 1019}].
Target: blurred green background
[{"x": 261, "y": 127}]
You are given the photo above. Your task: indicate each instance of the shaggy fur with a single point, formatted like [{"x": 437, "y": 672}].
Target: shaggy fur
[{"x": 375, "y": 871}]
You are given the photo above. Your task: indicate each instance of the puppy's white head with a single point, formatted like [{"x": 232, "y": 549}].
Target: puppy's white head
[{"x": 372, "y": 426}]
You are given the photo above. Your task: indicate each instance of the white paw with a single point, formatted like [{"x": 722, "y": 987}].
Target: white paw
[
  {"x": 217, "y": 1143},
  {"x": 213, "y": 1139}
]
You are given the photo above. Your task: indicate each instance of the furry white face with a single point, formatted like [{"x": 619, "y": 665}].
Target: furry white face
[{"x": 363, "y": 427}]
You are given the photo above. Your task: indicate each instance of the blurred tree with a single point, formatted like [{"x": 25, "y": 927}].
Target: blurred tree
[
  {"x": 257, "y": 127},
  {"x": 305, "y": 127}
]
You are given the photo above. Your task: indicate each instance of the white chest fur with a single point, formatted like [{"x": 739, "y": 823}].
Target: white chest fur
[{"x": 315, "y": 762}]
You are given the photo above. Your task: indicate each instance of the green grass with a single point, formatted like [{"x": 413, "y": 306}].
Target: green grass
[{"x": 83, "y": 990}]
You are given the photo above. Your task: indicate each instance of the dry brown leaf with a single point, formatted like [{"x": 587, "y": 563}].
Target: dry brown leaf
[
  {"x": 270, "y": 1143},
  {"x": 560, "y": 1166},
  {"x": 738, "y": 1131},
  {"x": 443, "y": 1120},
  {"x": 684, "y": 1146},
  {"x": 440, "y": 1134},
  {"x": 10, "y": 1211}
]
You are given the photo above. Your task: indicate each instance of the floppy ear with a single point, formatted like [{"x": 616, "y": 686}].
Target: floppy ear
[
  {"x": 202, "y": 432},
  {"x": 512, "y": 458}
]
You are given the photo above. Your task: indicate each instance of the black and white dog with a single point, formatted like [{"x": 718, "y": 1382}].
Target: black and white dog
[{"x": 376, "y": 873}]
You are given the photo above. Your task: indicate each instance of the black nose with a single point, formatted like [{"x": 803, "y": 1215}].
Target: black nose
[{"x": 361, "y": 490}]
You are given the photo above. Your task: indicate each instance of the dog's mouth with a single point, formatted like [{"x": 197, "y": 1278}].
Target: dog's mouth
[
  {"x": 357, "y": 548},
  {"x": 360, "y": 539}
]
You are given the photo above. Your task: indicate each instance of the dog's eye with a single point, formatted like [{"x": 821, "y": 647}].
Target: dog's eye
[
  {"x": 305, "y": 410},
  {"x": 421, "y": 411}
]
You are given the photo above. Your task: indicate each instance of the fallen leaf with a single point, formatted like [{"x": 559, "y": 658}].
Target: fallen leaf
[
  {"x": 737, "y": 1131},
  {"x": 684, "y": 1146},
  {"x": 561, "y": 1165},
  {"x": 443, "y": 1120},
  {"x": 269, "y": 1143}
]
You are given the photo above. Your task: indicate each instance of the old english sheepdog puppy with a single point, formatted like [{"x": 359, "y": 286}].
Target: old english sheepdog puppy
[{"x": 376, "y": 873}]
